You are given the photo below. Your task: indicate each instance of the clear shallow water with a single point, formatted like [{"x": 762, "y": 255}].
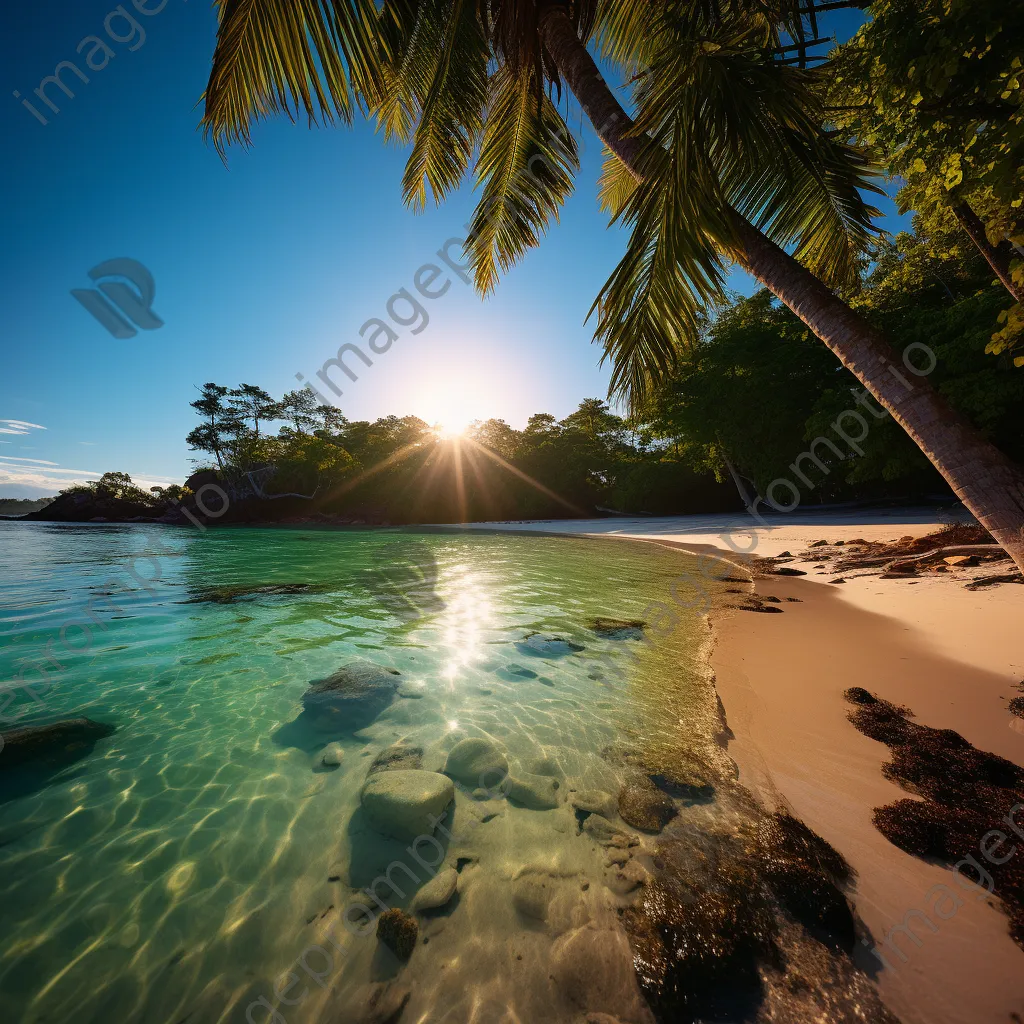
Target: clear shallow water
[{"x": 173, "y": 874}]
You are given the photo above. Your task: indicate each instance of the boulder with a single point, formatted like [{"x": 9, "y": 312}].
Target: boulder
[
  {"x": 52, "y": 741},
  {"x": 477, "y": 763},
  {"x": 404, "y": 803},
  {"x": 352, "y": 697},
  {"x": 537, "y": 792},
  {"x": 531, "y": 895},
  {"x": 438, "y": 891}
]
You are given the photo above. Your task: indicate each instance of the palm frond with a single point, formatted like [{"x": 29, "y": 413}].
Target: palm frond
[
  {"x": 451, "y": 89},
  {"x": 615, "y": 186},
  {"x": 319, "y": 57},
  {"x": 526, "y": 165}
]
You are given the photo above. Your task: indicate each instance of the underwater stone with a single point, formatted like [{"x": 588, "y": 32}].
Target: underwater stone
[
  {"x": 477, "y": 763},
  {"x": 397, "y": 757},
  {"x": 606, "y": 834},
  {"x": 398, "y": 931},
  {"x": 438, "y": 891},
  {"x": 53, "y": 740},
  {"x": 354, "y": 696},
  {"x": 531, "y": 895},
  {"x": 541, "y": 646},
  {"x": 618, "y": 629},
  {"x": 645, "y": 807},
  {"x": 402, "y": 803},
  {"x": 331, "y": 756},
  {"x": 537, "y": 792},
  {"x": 595, "y": 801}
]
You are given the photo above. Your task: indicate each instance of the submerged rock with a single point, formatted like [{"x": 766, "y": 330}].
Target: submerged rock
[
  {"x": 540, "y": 646},
  {"x": 397, "y": 757},
  {"x": 618, "y": 629},
  {"x": 331, "y": 756},
  {"x": 537, "y": 792},
  {"x": 438, "y": 891},
  {"x": 531, "y": 895},
  {"x": 69, "y": 738},
  {"x": 351, "y": 698},
  {"x": 606, "y": 834},
  {"x": 229, "y": 595},
  {"x": 595, "y": 801},
  {"x": 477, "y": 763},
  {"x": 404, "y": 804},
  {"x": 398, "y": 931},
  {"x": 644, "y": 806}
]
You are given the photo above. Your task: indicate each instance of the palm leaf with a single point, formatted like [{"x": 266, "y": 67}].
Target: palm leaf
[
  {"x": 526, "y": 165},
  {"x": 285, "y": 56}
]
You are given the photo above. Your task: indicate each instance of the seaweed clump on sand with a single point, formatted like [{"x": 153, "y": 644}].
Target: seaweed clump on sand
[
  {"x": 970, "y": 801},
  {"x": 749, "y": 926},
  {"x": 398, "y": 931}
]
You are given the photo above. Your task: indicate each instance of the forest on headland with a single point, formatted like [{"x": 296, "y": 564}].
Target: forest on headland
[{"x": 756, "y": 392}]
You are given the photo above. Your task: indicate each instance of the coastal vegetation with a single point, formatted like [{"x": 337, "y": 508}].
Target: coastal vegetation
[{"x": 736, "y": 151}]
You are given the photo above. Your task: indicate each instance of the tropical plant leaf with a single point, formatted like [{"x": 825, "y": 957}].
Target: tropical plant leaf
[
  {"x": 320, "y": 57},
  {"x": 526, "y": 165}
]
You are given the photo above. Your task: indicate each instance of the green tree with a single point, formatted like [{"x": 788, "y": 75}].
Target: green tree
[
  {"x": 727, "y": 159},
  {"x": 220, "y": 422},
  {"x": 250, "y": 402},
  {"x": 936, "y": 88}
]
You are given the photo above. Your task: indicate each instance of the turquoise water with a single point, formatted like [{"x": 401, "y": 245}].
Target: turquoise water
[{"x": 180, "y": 868}]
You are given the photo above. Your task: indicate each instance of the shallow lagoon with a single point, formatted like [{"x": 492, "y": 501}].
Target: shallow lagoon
[{"x": 182, "y": 867}]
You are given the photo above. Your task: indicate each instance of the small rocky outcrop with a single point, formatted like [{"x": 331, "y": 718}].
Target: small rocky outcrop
[
  {"x": 398, "y": 931},
  {"x": 644, "y": 806},
  {"x": 352, "y": 697},
  {"x": 53, "y": 741},
  {"x": 477, "y": 763},
  {"x": 404, "y": 804}
]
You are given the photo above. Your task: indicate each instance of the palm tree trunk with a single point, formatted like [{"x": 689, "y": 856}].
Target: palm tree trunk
[
  {"x": 988, "y": 483},
  {"x": 997, "y": 256}
]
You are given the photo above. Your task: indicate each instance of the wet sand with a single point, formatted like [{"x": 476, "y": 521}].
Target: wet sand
[{"x": 952, "y": 655}]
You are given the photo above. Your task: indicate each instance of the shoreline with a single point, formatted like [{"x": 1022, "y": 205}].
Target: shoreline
[{"x": 946, "y": 652}]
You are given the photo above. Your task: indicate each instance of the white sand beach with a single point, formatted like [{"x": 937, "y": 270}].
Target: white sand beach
[{"x": 953, "y": 655}]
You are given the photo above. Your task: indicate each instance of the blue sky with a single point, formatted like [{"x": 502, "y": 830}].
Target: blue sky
[{"x": 262, "y": 268}]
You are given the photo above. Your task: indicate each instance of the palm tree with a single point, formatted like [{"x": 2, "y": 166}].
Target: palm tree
[{"x": 726, "y": 160}]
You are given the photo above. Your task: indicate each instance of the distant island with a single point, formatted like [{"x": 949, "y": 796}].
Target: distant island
[{"x": 22, "y": 506}]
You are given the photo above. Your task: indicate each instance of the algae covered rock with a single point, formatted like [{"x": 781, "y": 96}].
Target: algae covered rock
[
  {"x": 53, "y": 741},
  {"x": 644, "y": 806},
  {"x": 351, "y": 698},
  {"x": 477, "y": 763},
  {"x": 540, "y": 646},
  {"x": 398, "y": 931},
  {"x": 397, "y": 757},
  {"x": 618, "y": 629},
  {"x": 331, "y": 756},
  {"x": 404, "y": 803}
]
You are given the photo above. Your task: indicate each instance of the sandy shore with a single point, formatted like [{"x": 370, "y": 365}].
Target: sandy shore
[{"x": 952, "y": 655}]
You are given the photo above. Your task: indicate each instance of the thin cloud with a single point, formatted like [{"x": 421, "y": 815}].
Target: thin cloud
[
  {"x": 16, "y": 458},
  {"x": 9, "y": 426}
]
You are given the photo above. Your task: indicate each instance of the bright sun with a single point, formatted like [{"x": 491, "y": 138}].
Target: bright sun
[{"x": 450, "y": 431}]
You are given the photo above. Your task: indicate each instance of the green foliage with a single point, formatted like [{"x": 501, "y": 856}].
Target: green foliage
[
  {"x": 936, "y": 89},
  {"x": 759, "y": 387}
]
